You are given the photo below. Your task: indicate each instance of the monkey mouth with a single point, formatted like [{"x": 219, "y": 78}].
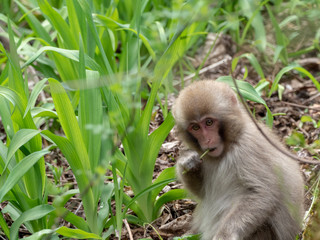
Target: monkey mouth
[{"x": 212, "y": 149}]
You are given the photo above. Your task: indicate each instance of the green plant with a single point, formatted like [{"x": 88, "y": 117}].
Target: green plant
[
  {"x": 296, "y": 67},
  {"x": 56, "y": 171},
  {"x": 297, "y": 139},
  {"x": 23, "y": 179},
  {"x": 141, "y": 148},
  {"x": 97, "y": 96},
  {"x": 247, "y": 91}
]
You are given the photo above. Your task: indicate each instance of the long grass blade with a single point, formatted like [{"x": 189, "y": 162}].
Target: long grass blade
[
  {"x": 32, "y": 214},
  {"x": 20, "y": 170}
]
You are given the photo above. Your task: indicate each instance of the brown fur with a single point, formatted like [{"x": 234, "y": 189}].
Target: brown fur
[{"x": 251, "y": 191}]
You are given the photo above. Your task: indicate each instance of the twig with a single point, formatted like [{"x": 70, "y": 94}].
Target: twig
[
  {"x": 301, "y": 106},
  {"x": 311, "y": 98},
  {"x": 212, "y": 66},
  {"x": 128, "y": 229},
  {"x": 78, "y": 208}
]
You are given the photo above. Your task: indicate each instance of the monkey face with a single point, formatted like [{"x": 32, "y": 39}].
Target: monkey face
[{"x": 206, "y": 133}]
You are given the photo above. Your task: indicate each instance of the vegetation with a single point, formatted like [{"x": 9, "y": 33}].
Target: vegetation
[{"x": 84, "y": 77}]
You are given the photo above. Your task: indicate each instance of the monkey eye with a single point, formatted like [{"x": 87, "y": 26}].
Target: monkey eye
[
  {"x": 195, "y": 127},
  {"x": 209, "y": 122}
]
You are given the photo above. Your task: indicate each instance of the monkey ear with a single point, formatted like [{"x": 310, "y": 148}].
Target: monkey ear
[{"x": 234, "y": 100}]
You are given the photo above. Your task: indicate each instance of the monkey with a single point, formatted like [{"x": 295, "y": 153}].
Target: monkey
[{"x": 246, "y": 189}]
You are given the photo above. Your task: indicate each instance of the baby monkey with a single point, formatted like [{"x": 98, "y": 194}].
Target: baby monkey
[{"x": 247, "y": 189}]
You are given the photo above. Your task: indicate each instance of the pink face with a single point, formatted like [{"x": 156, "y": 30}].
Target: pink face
[{"x": 206, "y": 131}]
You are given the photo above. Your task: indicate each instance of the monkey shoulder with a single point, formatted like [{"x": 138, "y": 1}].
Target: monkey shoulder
[{"x": 262, "y": 167}]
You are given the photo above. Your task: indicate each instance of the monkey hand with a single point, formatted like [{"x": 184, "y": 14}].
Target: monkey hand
[{"x": 189, "y": 161}]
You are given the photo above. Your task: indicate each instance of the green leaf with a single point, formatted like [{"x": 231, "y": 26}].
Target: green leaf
[
  {"x": 189, "y": 237},
  {"x": 34, "y": 95},
  {"x": 61, "y": 200},
  {"x": 12, "y": 96},
  {"x": 43, "y": 112},
  {"x": 90, "y": 118},
  {"x": 269, "y": 117},
  {"x": 69, "y": 152},
  {"x": 164, "y": 175},
  {"x": 277, "y": 53},
  {"x": 59, "y": 24},
  {"x": 80, "y": 173},
  {"x": 94, "y": 33},
  {"x": 40, "y": 235},
  {"x": 287, "y": 69},
  {"x": 306, "y": 119},
  {"x": 262, "y": 84},
  {"x": 246, "y": 90},
  {"x": 251, "y": 10},
  {"x": 75, "y": 220},
  {"x": 254, "y": 62},
  {"x": 19, "y": 139},
  {"x": 296, "y": 139},
  {"x": 280, "y": 37},
  {"x": 70, "y": 54},
  {"x": 4, "y": 226},
  {"x": 145, "y": 42},
  {"x": 68, "y": 120},
  {"x": 155, "y": 141},
  {"x": 35, "y": 24},
  {"x": 147, "y": 190},
  {"x": 5, "y": 114},
  {"x": 29, "y": 215},
  {"x": 174, "y": 194},
  {"x": 76, "y": 233},
  {"x": 20, "y": 170}
]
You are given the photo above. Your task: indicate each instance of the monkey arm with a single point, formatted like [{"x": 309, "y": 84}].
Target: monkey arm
[{"x": 189, "y": 171}]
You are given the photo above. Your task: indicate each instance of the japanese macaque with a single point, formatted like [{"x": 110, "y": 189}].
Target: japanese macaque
[{"x": 247, "y": 189}]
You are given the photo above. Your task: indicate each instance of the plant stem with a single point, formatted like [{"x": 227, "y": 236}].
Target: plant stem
[{"x": 205, "y": 153}]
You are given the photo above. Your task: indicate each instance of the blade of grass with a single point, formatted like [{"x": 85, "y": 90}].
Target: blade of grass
[
  {"x": 255, "y": 63},
  {"x": 34, "y": 95},
  {"x": 20, "y": 170},
  {"x": 4, "y": 226},
  {"x": 280, "y": 37},
  {"x": 68, "y": 120},
  {"x": 59, "y": 24},
  {"x": 88, "y": 14},
  {"x": 70, "y": 54},
  {"x": 287, "y": 69},
  {"x": 167, "y": 173},
  {"x": 247, "y": 91},
  {"x": 72, "y": 131},
  {"x": 255, "y": 19},
  {"x": 76, "y": 233},
  {"x": 19, "y": 139},
  {"x": 174, "y": 194},
  {"x": 32, "y": 214}
]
